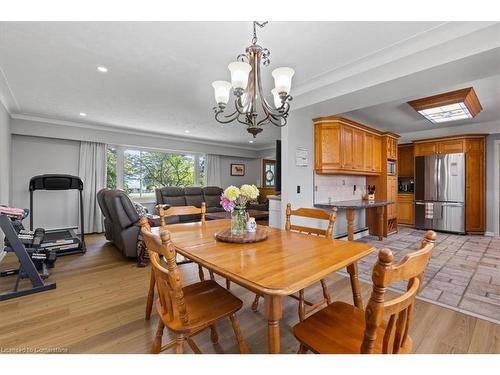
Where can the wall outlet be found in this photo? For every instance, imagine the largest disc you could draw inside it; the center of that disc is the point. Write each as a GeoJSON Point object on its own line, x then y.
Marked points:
{"type": "Point", "coordinates": [298, 189]}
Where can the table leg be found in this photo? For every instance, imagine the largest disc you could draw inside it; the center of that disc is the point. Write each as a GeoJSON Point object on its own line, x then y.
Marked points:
{"type": "Point", "coordinates": [380, 214]}
{"type": "Point", "coordinates": [352, 269]}
{"type": "Point", "coordinates": [350, 224]}
{"type": "Point", "coordinates": [273, 313]}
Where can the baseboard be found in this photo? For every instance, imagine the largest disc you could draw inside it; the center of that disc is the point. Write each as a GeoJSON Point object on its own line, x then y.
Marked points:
{"type": "Point", "coordinates": [357, 234]}
{"type": "Point", "coordinates": [489, 234]}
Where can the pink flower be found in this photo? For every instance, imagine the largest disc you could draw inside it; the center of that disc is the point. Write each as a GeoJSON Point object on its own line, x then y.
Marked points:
{"type": "Point", "coordinates": [226, 204]}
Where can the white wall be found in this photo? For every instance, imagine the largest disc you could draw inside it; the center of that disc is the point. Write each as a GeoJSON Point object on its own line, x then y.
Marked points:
{"type": "Point", "coordinates": [33, 156]}
{"type": "Point", "coordinates": [492, 164]}
{"type": "Point", "coordinates": [4, 163]}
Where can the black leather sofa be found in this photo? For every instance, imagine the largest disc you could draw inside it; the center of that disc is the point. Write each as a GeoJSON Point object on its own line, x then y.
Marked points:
{"type": "Point", "coordinates": [121, 221]}
{"type": "Point", "coordinates": [189, 196]}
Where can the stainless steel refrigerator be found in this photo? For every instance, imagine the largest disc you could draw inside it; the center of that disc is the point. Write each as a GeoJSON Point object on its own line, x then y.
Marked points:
{"type": "Point", "coordinates": [440, 192]}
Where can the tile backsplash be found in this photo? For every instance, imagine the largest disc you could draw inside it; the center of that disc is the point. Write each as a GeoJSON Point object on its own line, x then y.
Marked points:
{"type": "Point", "coordinates": [341, 188]}
{"type": "Point", "coordinates": [332, 188]}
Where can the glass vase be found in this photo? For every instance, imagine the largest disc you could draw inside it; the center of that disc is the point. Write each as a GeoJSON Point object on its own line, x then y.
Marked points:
{"type": "Point", "coordinates": [238, 221]}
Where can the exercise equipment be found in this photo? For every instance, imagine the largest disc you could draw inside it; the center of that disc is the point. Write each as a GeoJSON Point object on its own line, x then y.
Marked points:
{"type": "Point", "coordinates": [29, 260]}
{"type": "Point", "coordinates": [64, 241]}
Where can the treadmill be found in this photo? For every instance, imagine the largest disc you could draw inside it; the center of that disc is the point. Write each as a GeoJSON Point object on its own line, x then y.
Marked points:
{"type": "Point", "coordinates": [64, 241]}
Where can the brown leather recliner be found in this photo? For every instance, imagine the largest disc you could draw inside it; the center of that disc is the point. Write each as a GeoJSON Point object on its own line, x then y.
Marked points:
{"type": "Point", "coordinates": [121, 221]}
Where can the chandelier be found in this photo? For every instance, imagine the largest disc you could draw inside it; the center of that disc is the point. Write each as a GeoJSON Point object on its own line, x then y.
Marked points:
{"type": "Point", "coordinates": [247, 88]}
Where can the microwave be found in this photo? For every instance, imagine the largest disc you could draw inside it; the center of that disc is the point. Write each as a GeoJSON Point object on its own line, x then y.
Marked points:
{"type": "Point", "coordinates": [391, 168]}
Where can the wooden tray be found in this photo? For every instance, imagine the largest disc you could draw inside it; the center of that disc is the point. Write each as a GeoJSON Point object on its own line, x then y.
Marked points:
{"type": "Point", "coordinates": [225, 236]}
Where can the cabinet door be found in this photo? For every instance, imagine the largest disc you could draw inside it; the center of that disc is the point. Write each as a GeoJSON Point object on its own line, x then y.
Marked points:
{"type": "Point", "coordinates": [327, 147]}
{"type": "Point", "coordinates": [451, 146]}
{"type": "Point", "coordinates": [377, 154]}
{"type": "Point", "coordinates": [405, 213]}
{"type": "Point", "coordinates": [427, 148]}
{"type": "Point", "coordinates": [347, 147]}
{"type": "Point", "coordinates": [474, 187]}
{"type": "Point", "coordinates": [358, 149]}
{"type": "Point", "coordinates": [405, 161]}
{"type": "Point", "coordinates": [368, 154]}
{"type": "Point", "coordinates": [392, 148]}
{"type": "Point", "coordinates": [392, 195]}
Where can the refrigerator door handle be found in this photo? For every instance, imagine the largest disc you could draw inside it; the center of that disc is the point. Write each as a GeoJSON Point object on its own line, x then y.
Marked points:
{"type": "Point", "coordinates": [420, 203]}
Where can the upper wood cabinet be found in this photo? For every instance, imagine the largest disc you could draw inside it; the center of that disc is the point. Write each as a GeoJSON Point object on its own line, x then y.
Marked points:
{"type": "Point", "coordinates": [425, 148]}
{"type": "Point", "coordinates": [327, 151]}
{"type": "Point", "coordinates": [405, 160]}
{"type": "Point", "coordinates": [392, 149]}
{"type": "Point", "coordinates": [346, 147]}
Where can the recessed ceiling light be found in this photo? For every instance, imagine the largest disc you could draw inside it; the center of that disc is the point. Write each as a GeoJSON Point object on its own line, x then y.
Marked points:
{"type": "Point", "coordinates": [83, 114]}
{"type": "Point", "coordinates": [450, 106]}
{"type": "Point", "coordinates": [250, 141]}
{"type": "Point", "coordinates": [102, 69]}
{"type": "Point", "coordinates": [187, 131]}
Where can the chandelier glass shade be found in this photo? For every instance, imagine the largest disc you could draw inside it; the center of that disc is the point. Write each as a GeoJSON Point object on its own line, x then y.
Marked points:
{"type": "Point", "coordinates": [250, 105]}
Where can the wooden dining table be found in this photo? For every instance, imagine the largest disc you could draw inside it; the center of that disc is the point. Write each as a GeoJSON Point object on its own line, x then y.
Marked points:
{"type": "Point", "coordinates": [283, 264]}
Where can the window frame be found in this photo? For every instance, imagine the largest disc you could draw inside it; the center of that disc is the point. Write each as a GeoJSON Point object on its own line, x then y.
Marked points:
{"type": "Point", "coordinates": [120, 164]}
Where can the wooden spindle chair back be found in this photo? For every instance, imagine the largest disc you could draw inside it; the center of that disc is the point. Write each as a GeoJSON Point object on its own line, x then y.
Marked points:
{"type": "Point", "coordinates": [400, 309]}
{"type": "Point", "coordinates": [169, 278]}
{"type": "Point", "coordinates": [180, 211]}
{"type": "Point", "coordinates": [311, 213]}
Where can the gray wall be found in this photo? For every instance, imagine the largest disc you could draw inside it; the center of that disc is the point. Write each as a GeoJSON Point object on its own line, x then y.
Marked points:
{"type": "Point", "coordinates": [4, 155]}
{"type": "Point", "coordinates": [491, 165]}
{"type": "Point", "coordinates": [4, 162]}
{"type": "Point", "coordinates": [252, 171]}
{"type": "Point", "coordinates": [32, 156]}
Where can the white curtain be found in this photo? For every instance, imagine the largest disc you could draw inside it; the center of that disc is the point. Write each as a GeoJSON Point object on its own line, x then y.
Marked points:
{"type": "Point", "coordinates": [212, 170]}
{"type": "Point", "coordinates": [92, 170]}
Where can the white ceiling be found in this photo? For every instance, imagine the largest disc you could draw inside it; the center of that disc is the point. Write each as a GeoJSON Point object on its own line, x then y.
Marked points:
{"type": "Point", "coordinates": [399, 117]}
{"type": "Point", "coordinates": [160, 72]}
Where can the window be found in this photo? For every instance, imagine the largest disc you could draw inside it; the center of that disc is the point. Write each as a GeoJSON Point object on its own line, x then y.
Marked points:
{"type": "Point", "coordinates": [140, 172]}
{"type": "Point", "coordinates": [111, 168]}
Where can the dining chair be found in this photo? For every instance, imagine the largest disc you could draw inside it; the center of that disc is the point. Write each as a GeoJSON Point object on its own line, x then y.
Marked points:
{"type": "Point", "coordinates": [186, 311]}
{"type": "Point", "coordinates": [311, 213]}
{"type": "Point", "coordinates": [345, 329]}
{"type": "Point", "coordinates": [175, 211]}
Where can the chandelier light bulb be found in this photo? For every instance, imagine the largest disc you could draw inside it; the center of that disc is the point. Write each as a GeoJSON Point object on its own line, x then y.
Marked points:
{"type": "Point", "coordinates": [239, 74]}
{"type": "Point", "coordinates": [283, 79]}
{"type": "Point", "coordinates": [221, 91]}
{"type": "Point", "coordinates": [277, 99]}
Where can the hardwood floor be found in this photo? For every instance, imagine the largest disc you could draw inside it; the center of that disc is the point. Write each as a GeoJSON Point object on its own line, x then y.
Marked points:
{"type": "Point", "coordinates": [98, 307]}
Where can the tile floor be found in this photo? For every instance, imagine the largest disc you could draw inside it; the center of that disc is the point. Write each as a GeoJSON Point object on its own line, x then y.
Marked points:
{"type": "Point", "coordinates": [463, 273]}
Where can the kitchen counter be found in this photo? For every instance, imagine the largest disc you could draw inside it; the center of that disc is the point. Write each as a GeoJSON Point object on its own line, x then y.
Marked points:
{"type": "Point", "coordinates": [358, 204]}
{"type": "Point", "coordinates": [354, 204]}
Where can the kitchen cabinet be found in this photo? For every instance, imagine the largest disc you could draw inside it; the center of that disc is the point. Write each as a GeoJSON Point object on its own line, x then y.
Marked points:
{"type": "Point", "coordinates": [392, 149]}
{"type": "Point", "coordinates": [450, 146]}
{"type": "Point", "coordinates": [425, 148]}
{"type": "Point", "coordinates": [475, 210]}
{"type": "Point", "coordinates": [406, 160]}
{"type": "Point", "coordinates": [343, 146]}
{"type": "Point", "coordinates": [327, 151]}
{"type": "Point", "coordinates": [406, 208]}
{"type": "Point", "coordinates": [392, 195]}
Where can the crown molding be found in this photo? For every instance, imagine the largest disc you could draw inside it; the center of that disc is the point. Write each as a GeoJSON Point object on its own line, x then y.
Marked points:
{"type": "Point", "coordinates": [124, 130]}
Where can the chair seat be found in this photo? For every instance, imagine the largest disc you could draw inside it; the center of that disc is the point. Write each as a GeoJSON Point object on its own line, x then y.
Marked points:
{"type": "Point", "coordinates": [206, 302]}
{"type": "Point", "coordinates": [339, 329]}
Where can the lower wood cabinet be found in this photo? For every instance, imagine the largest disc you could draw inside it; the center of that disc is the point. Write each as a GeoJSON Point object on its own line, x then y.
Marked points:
{"type": "Point", "coordinates": [406, 209]}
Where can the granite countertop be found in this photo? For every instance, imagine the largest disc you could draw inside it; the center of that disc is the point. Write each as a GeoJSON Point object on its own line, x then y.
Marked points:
{"type": "Point", "coordinates": [274, 197]}
{"type": "Point", "coordinates": [357, 203]}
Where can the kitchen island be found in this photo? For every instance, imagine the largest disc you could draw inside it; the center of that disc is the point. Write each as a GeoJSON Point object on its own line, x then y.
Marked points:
{"type": "Point", "coordinates": [352, 205]}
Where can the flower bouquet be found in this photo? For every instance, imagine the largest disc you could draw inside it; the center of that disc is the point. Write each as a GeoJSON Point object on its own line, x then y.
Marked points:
{"type": "Point", "coordinates": [234, 200]}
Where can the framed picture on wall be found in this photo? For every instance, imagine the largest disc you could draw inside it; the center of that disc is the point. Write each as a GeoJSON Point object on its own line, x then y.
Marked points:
{"type": "Point", "coordinates": [237, 169]}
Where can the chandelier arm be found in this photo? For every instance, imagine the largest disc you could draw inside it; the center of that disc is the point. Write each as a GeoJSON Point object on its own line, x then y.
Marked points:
{"type": "Point", "coordinates": [226, 119]}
